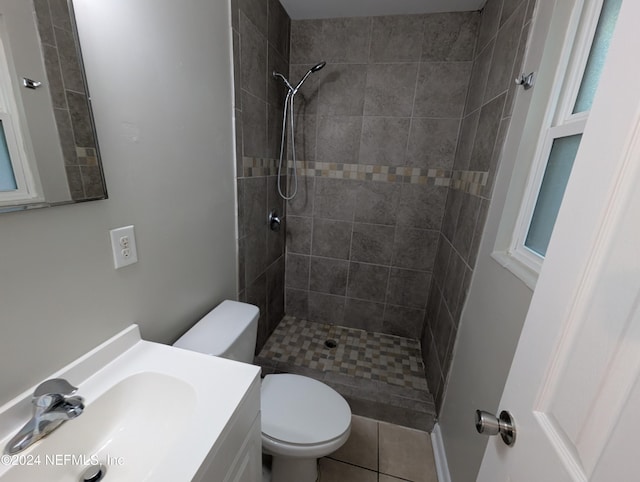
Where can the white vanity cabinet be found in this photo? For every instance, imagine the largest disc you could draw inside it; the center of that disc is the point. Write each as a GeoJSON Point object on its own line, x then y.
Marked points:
{"type": "Point", "coordinates": [237, 455]}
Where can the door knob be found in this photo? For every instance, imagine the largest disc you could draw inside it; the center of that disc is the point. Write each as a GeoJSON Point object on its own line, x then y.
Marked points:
{"type": "Point", "coordinates": [489, 424]}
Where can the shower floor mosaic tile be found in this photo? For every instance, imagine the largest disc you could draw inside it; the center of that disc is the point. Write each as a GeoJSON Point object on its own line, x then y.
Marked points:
{"type": "Point", "coordinates": [376, 372]}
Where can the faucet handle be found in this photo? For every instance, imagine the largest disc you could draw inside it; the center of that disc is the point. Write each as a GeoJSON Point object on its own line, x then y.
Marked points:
{"type": "Point", "coordinates": [55, 386]}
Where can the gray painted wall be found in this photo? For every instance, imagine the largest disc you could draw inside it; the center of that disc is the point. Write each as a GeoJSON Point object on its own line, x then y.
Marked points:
{"type": "Point", "coordinates": [160, 78]}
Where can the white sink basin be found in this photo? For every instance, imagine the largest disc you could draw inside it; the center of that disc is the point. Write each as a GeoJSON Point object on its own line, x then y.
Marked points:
{"type": "Point", "coordinates": [153, 412]}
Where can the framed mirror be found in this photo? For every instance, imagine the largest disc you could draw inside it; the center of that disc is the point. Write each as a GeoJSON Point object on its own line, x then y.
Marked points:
{"type": "Point", "coordinates": [48, 144]}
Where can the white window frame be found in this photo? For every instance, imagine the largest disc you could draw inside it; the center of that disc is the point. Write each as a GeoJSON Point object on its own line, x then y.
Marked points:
{"type": "Point", "coordinates": [559, 121]}
{"type": "Point", "coordinates": [28, 189]}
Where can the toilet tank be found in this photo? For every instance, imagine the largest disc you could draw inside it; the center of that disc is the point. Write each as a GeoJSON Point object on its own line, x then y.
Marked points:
{"type": "Point", "coordinates": [228, 331]}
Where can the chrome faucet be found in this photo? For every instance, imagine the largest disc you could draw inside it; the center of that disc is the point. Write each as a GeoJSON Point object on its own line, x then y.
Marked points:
{"type": "Point", "coordinates": [52, 406]}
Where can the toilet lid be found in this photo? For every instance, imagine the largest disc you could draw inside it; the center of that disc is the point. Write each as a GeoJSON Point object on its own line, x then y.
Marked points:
{"type": "Point", "coordinates": [301, 410]}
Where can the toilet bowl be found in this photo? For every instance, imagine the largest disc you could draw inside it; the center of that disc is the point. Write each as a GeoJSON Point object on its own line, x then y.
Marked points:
{"type": "Point", "coordinates": [302, 419]}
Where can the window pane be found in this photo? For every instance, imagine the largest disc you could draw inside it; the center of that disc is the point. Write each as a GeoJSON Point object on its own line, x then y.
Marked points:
{"type": "Point", "coordinates": [7, 179]}
{"type": "Point", "coordinates": [554, 182]}
{"type": "Point", "coordinates": [597, 56]}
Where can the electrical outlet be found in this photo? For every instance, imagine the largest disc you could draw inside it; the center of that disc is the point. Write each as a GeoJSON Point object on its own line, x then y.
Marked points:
{"type": "Point", "coordinates": [123, 244]}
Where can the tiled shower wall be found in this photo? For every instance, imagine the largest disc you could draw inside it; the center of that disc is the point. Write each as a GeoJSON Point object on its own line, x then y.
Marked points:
{"type": "Point", "coordinates": [499, 53]}
{"type": "Point", "coordinates": [260, 45]}
{"type": "Point", "coordinates": [69, 97]}
{"type": "Point", "coordinates": [376, 134]}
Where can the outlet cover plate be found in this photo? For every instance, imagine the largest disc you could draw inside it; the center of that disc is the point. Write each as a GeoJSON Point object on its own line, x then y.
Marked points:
{"type": "Point", "coordinates": [123, 245]}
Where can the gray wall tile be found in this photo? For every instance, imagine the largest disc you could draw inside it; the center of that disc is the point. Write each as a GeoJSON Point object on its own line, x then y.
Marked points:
{"type": "Point", "coordinates": [65, 134]}
{"type": "Point", "coordinates": [338, 139]}
{"type": "Point", "coordinates": [465, 141]}
{"type": "Point", "coordinates": [450, 36]}
{"type": "Point", "coordinates": [367, 281]}
{"type": "Point", "coordinates": [274, 132]}
{"type": "Point", "coordinates": [306, 41]}
{"type": "Point", "coordinates": [384, 141]}
{"type": "Point", "coordinates": [328, 275]}
{"type": "Point", "coordinates": [451, 213]}
{"type": "Point", "coordinates": [377, 202]}
{"type": "Point", "coordinates": [279, 26]}
{"type": "Point", "coordinates": [408, 288]}
{"type": "Point", "coordinates": [306, 127]}
{"type": "Point", "coordinates": [342, 89]}
{"type": "Point", "coordinates": [45, 27]}
{"type": "Point", "coordinates": [486, 135]}
{"type": "Point", "coordinates": [253, 58]}
{"type": "Point", "coordinates": [254, 204]}
{"type": "Point", "coordinates": [397, 38]}
{"type": "Point", "coordinates": [432, 143]}
{"type": "Point", "coordinates": [54, 77]}
{"type": "Point", "coordinates": [326, 308]}
{"type": "Point", "coordinates": [442, 89]}
{"type": "Point", "coordinates": [509, 7]}
{"type": "Point", "coordinates": [466, 226]}
{"type": "Point", "coordinates": [255, 255]}
{"type": "Point", "coordinates": [504, 55]}
{"type": "Point", "coordinates": [297, 271]}
{"type": "Point", "coordinates": [331, 239]}
{"type": "Point", "coordinates": [363, 315]}
{"type": "Point", "coordinates": [402, 321]}
{"type": "Point", "coordinates": [69, 60]}
{"type": "Point", "coordinates": [415, 248]}
{"type": "Point", "coordinates": [302, 204]}
{"type": "Point", "coordinates": [335, 199]}
{"type": "Point", "coordinates": [346, 40]}
{"type": "Point", "coordinates": [489, 22]}
{"type": "Point", "coordinates": [254, 126]}
{"type": "Point", "coordinates": [372, 243]}
{"type": "Point", "coordinates": [479, 76]}
{"type": "Point", "coordinates": [80, 119]}
{"type": "Point", "coordinates": [256, 11]}
{"type": "Point", "coordinates": [390, 89]}
{"type": "Point", "coordinates": [256, 294]}
{"type": "Point", "coordinates": [296, 303]}
{"type": "Point", "coordinates": [453, 280]}
{"type": "Point", "coordinates": [275, 293]}
{"type": "Point", "coordinates": [441, 262]}
{"type": "Point", "coordinates": [299, 234]}
{"type": "Point", "coordinates": [421, 206]}
{"type": "Point", "coordinates": [60, 16]}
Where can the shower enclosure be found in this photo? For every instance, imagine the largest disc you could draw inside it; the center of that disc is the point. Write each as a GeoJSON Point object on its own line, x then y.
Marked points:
{"type": "Point", "coordinates": [396, 149]}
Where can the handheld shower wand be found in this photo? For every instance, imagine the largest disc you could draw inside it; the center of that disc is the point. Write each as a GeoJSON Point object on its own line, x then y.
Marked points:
{"type": "Point", "coordinates": [289, 111]}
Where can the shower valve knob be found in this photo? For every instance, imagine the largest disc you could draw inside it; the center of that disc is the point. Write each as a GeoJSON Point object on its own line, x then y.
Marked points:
{"type": "Point", "coordinates": [274, 221]}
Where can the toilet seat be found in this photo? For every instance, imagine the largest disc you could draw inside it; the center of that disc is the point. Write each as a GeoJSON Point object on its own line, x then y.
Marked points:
{"type": "Point", "coordinates": [300, 414]}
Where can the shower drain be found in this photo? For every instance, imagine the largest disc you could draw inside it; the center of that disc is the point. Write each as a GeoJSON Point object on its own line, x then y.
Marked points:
{"type": "Point", "coordinates": [331, 343]}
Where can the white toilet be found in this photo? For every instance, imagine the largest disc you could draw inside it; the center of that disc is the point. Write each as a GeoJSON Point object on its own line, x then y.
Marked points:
{"type": "Point", "coordinates": [302, 418]}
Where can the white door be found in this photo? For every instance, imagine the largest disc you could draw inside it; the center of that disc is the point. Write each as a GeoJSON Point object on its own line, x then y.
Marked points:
{"type": "Point", "coordinates": [574, 386]}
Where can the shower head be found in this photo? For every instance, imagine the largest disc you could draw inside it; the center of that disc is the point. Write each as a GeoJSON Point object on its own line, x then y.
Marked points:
{"type": "Point", "coordinates": [317, 67]}
{"type": "Point", "coordinates": [278, 75]}
{"type": "Point", "coordinates": [294, 90]}
{"type": "Point", "coordinates": [312, 70]}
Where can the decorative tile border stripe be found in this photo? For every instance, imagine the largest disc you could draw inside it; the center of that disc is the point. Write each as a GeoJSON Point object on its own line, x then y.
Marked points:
{"type": "Point", "coordinates": [87, 156]}
{"type": "Point", "coordinates": [258, 167]}
{"type": "Point", "coordinates": [471, 182]}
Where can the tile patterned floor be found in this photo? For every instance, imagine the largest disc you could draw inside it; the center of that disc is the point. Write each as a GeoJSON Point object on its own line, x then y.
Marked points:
{"type": "Point", "coordinates": [380, 452]}
{"type": "Point", "coordinates": [371, 356]}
